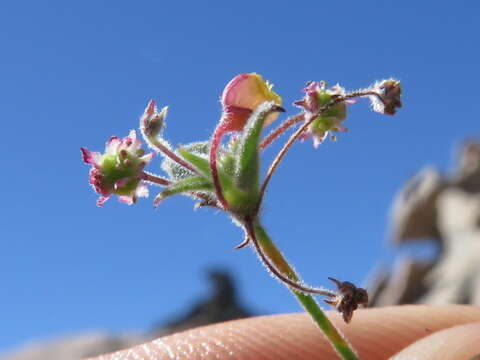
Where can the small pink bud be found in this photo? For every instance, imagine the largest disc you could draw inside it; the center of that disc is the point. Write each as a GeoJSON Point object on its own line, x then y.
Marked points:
{"type": "Point", "coordinates": [152, 121]}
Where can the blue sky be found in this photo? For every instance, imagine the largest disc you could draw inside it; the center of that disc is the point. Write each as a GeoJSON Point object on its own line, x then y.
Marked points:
{"type": "Point", "coordinates": [75, 73]}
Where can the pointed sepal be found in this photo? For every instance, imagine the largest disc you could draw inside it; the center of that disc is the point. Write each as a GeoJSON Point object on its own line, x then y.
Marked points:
{"type": "Point", "coordinates": [247, 152]}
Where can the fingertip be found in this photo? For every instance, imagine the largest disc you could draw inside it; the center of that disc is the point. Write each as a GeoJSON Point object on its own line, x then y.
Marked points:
{"type": "Point", "coordinates": [461, 342]}
{"type": "Point", "coordinates": [376, 334]}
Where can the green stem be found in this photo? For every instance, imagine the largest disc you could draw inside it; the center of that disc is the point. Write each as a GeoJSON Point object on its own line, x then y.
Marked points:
{"type": "Point", "coordinates": [333, 335]}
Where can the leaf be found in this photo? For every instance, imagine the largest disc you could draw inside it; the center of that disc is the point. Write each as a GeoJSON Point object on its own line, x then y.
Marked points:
{"type": "Point", "coordinates": [177, 171]}
{"type": "Point", "coordinates": [189, 185]}
{"type": "Point", "coordinates": [200, 162]}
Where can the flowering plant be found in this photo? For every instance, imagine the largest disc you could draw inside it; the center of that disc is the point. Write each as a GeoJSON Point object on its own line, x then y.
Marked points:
{"type": "Point", "coordinates": [226, 175]}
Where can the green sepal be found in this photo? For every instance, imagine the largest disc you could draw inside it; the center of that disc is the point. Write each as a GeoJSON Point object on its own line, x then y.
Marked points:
{"type": "Point", "coordinates": [189, 185]}
{"type": "Point", "coordinates": [337, 111]}
{"type": "Point", "coordinates": [227, 164]}
{"type": "Point", "coordinates": [247, 158]}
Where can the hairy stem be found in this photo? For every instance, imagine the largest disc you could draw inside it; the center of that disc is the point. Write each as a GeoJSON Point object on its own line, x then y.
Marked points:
{"type": "Point", "coordinates": [333, 335]}
{"type": "Point", "coordinates": [296, 135]}
{"type": "Point", "coordinates": [157, 145]}
{"type": "Point", "coordinates": [290, 278]}
{"type": "Point", "coordinates": [154, 179]}
{"type": "Point", "coordinates": [281, 129]}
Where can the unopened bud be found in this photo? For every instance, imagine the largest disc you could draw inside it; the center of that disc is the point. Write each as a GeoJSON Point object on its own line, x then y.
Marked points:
{"type": "Point", "coordinates": [152, 121]}
{"type": "Point", "coordinates": [388, 96]}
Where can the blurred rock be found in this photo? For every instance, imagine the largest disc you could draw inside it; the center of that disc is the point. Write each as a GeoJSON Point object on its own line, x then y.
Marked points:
{"type": "Point", "coordinates": [414, 212]}
{"type": "Point", "coordinates": [445, 209]}
{"type": "Point", "coordinates": [221, 305]}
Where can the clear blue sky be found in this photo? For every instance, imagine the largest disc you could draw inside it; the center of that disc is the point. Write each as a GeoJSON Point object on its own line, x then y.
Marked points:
{"type": "Point", "coordinates": [75, 73]}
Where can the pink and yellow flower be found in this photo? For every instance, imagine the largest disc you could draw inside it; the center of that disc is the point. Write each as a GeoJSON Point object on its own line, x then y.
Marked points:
{"type": "Point", "coordinates": [119, 170]}
{"type": "Point", "coordinates": [242, 95]}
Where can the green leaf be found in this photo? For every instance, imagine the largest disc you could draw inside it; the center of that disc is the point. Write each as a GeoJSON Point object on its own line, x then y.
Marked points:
{"type": "Point", "coordinates": [199, 147]}
{"type": "Point", "coordinates": [200, 162]}
{"type": "Point", "coordinates": [247, 159]}
{"type": "Point", "coordinates": [177, 171]}
{"type": "Point", "coordinates": [189, 185]}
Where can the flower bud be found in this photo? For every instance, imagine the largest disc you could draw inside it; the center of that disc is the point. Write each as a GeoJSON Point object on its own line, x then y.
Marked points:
{"type": "Point", "coordinates": [152, 121]}
{"type": "Point", "coordinates": [388, 100]}
{"type": "Point", "coordinates": [119, 170]}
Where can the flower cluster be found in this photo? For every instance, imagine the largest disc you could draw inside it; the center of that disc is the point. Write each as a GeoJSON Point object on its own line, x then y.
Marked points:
{"type": "Point", "coordinates": [227, 175]}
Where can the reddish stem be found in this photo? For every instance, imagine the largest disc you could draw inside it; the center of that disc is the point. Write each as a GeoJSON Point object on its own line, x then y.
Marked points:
{"type": "Point", "coordinates": [172, 155]}
{"type": "Point", "coordinates": [218, 134]}
{"type": "Point", "coordinates": [300, 130]}
{"type": "Point", "coordinates": [154, 179]}
{"type": "Point", "coordinates": [281, 129]}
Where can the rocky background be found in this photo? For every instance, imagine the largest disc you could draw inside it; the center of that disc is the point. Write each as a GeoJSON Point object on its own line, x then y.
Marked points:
{"type": "Point", "coordinates": [444, 210]}
{"type": "Point", "coordinates": [441, 209]}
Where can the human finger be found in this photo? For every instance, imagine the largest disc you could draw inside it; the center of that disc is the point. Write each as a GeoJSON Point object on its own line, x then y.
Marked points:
{"type": "Point", "coordinates": [459, 342]}
{"type": "Point", "coordinates": [376, 333]}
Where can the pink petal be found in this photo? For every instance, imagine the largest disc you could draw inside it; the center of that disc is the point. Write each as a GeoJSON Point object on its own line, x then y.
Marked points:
{"type": "Point", "coordinates": [86, 155]}
{"type": "Point", "coordinates": [90, 157]}
{"type": "Point", "coordinates": [132, 141]}
{"type": "Point", "coordinates": [151, 108]}
{"type": "Point", "coordinates": [231, 93]}
{"type": "Point", "coordinates": [149, 111]}
{"type": "Point", "coordinates": [101, 200]}
{"type": "Point", "coordinates": [312, 88]}
{"type": "Point", "coordinates": [127, 199]}
{"type": "Point", "coordinates": [112, 145]}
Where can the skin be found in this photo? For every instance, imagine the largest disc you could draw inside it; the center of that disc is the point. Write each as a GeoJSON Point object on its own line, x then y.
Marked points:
{"type": "Point", "coordinates": [401, 332]}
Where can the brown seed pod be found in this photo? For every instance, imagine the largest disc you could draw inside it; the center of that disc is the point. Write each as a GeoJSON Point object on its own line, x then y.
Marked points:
{"type": "Point", "coordinates": [348, 299]}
